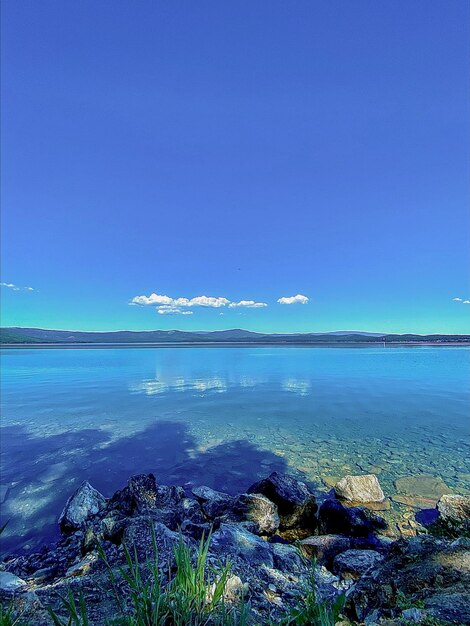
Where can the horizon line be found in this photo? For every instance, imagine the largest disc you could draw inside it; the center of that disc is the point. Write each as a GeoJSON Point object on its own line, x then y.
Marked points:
{"type": "Point", "coordinates": [310, 332]}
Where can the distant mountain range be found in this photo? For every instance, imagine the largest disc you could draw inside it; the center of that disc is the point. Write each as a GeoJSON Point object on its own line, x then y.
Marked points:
{"type": "Point", "coordinates": [18, 336]}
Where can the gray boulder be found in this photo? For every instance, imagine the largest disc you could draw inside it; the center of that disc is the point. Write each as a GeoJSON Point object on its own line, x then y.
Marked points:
{"type": "Point", "coordinates": [256, 509]}
{"type": "Point", "coordinates": [421, 570]}
{"type": "Point", "coordinates": [413, 615]}
{"type": "Point", "coordinates": [295, 501]}
{"type": "Point", "coordinates": [143, 492]}
{"type": "Point", "coordinates": [169, 496]}
{"type": "Point", "coordinates": [213, 503]}
{"type": "Point", "coordinates": [192, 511]}
{"type": "Point", "coordinates": [360, 489]}
{"type": "Point", "coordinates": [109, 528]}
{"type": "Point", "coordinates": [288, 558]}
{"type": "Point", "coordinates": [352, 564]}
{"type": "Point", "coordinates": [85, 503]}
{"type": "Point", "coordinates": [138, 496]}
{"type": "Point", "coordinates": [198, 530]}
{"type": "Point", "coordinates": [324, 548]}
{"type": "Point", "coordinates": [142, 496]}
{"type": "Point", "coordinates": [138, 535]}
{"type": "Point", "coordinates": [336, 519]}
{"type": "Point", "coordinates": [454, 511]}
{"type": "Point", "coordinates": [204, 493]}
{"type": "Point", "coordinates": [258, 514]}
{"type": "Point", "coordinates": [172, 507]}
{"type": "Point", "coordinates": [450, 607]}
{"type": "Point", "coordinates": [234, 540]}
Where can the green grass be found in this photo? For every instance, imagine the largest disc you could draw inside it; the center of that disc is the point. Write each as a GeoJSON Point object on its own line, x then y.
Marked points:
{"type": "Point", "coordinates": [8, 617]}
{"type": "Point", "coordinates": [77, 612]}
{"type": "Point", "coordinates": [310, 612]}
{"type": "Point", "coordinates": [194, 596]}
{"type": "Point", "coordinates": [403, 602]}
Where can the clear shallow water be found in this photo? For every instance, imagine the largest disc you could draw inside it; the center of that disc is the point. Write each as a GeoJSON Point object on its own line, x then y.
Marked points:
{"type": "Point", "coordinates": [223, 417]}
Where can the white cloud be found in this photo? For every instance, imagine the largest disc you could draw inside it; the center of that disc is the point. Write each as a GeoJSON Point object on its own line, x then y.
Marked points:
{"type": "Point", "coordinates": [298, 299]}
{"type": "Point", "coordinates": [167, 306]}
{"type": "Point", "coordinates": [457, 299]}
{"type": "Point", "coordinates": [172, 310]}
{"type": "Point", "coordinates": [466, 302]}
{"type": "Point", "coordinates": [207, 301]}
{"type": "Point", "coordinates": [153, 298]}
{"type": "Point", "coordinates": [251, 304]}
{"type": "Point", "coordinates": [14, 287]}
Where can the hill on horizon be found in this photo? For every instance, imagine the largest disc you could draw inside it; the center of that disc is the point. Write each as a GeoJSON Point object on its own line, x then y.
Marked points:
{"type": "Point", "coordinates": [18, 335]}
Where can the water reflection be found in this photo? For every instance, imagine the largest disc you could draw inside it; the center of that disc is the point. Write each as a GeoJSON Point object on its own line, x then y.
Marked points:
{"type": "Point", "coordinates": [153, 387]}
{"type": "Point", "coordinates": [296, 385]}
{"type": "Point", "coordinates": [218, 384]}
{"type": "Point", "coordinates": [162, 383]}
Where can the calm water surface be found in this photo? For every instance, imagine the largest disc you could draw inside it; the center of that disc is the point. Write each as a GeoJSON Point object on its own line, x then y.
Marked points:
{"type": "Point", "coordinates": [223, 417]}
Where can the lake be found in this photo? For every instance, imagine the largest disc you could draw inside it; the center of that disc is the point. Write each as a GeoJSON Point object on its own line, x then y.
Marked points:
{"type": "Point", "coordinates": [224, 417]}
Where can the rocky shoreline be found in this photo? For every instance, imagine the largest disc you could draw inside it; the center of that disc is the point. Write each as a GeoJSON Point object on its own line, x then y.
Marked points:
{"type": "Point", "coordinates": [271, 535]}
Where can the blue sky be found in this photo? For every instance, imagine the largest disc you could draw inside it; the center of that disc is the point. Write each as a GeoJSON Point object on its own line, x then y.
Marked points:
{"type": "Point", "coordinates": [249, 151]}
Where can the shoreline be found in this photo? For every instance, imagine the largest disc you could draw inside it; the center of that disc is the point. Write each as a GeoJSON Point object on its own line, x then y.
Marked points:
{"type": "Point", "coordinates": [240, 344]}
{"type": "Point", "coordinates": [281, 541]}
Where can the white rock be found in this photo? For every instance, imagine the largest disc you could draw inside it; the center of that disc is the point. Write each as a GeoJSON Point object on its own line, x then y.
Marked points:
{"type": "Point", "coordinates": [82, 505]}
{"type": "Point", "coordinates": [455, 509]}
{"type": "Point", "coordinates": [360, 489]}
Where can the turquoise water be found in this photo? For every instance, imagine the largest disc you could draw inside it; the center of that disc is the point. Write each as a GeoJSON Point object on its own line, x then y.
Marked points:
{"type": "Point", "coordinates": [223, 417]}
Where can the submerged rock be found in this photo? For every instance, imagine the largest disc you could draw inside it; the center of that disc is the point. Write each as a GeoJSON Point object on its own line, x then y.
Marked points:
{"type": "Point", "coordinates": [360, 489]}
{"type": "Point", "coordinates": [416, 502]}
{"type": "Point", "coordinates": [423, 485]}
{"type": "Point", "coordinates": [295, 501]}
{"type": "Point", "coordinates": [352, 564]}
{"type": "Point", "coordinates": [80, 507]}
